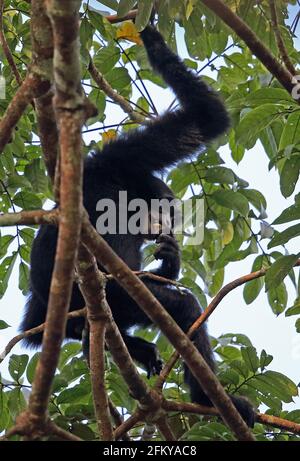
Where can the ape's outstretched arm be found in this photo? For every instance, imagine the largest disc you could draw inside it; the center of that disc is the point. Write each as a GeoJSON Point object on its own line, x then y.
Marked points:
{"type": "Point", "coordinates": [176, 135]}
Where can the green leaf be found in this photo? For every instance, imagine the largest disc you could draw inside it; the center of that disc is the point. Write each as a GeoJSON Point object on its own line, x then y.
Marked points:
{"type": "Point", "coordinates": [4, 411]}
{"type": "Point", "coordinates": [279, 270]}
{"type": "Point", "coordinates": [232, 200]}
{"type": "Point", "coordinates": [27, 235]}
{"type": "Point", "coordinates": [255, 121]}
{"type": "Point", "coordinates": [3, 325]}
{"type": "Point", "coordinates": [289, 214]}
{"type": "Point", "coordinates": [74, 395]}
{"type": "Point", "coordinates": [5, 241]}
{"type": "Point", "coordinates": [269, 96]}
{"type": "Point", "coordinates": [250, 357]}
{"type": "Point", "coordinates": [35, 173]}
{"type": "Point", "coordinates": [118, 78]}
{"type": "Point", "coordinates": [27, 200]}
{"type": "Point", "coordinates": [17, 365]}
{"type": "Point", "coordinates": [280, 238]}
{"type": "Point", "coordinates": [252, 289]}
{"type": "Point", "coordinates": [291, 132]}
{"type": "Point", "coordinates": [289, 175]}
{"type": "Point", "coordinates": [125, 6]}
{"type": "Point", "coordinates": [255, 197]}
{"type": "Point", "coordinates": [277, 298]}
{"type": "Point", "coordinates": [143, 14]}
{"type": "Point", "coordinates": [86, 31]}
{"type": "Point", "coordinates": [265, 359]}
{"type": "Point", "coordinates": [294, 310]}
{"type": "Point", "coordinates": [6, 268]}
{"type": "Point", "coordinates": [106, 58]}
{"type": "Point", "coordinates": [17, 181]}
{"type": "Point", "coordinates": [219, 174]}
{"type": "Point", "coordinates": [24, 277]}
{"type": "Point", "coordinates": [30, 370]}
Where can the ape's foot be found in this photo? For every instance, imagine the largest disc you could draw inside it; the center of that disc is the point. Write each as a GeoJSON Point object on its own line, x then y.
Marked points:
{"type": "Point", "coordinates": [152, 361]}
{"type": "Point", "coordinates": [245, 409]}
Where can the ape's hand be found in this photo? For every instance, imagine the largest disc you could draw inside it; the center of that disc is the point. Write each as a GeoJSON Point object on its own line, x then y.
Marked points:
{"type": "Point", "coordinates": [168, 251]}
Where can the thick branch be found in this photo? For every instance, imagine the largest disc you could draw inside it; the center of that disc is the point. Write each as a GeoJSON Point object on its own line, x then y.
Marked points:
{"type": "Point", "coordinates": [261, 418]}
{"type": "Point", "coordinates": [92, 286]}
{"type": "Point", "coordinates": [114, 18]}
{"type": "Point", "coordinates": [48, 132]}
{"type": "Point", "coordinates": [32, 87]}
{"type": "Point", "coordinates": [280, 43]}
{"type": "Point", "coordinates": [29, 218]}
{"type": "Point", "coordinates": [93, 293]}
{"type": "Point", "coordinates": [145, 299]}
{"type": "Point", "coordinates": [252, 41]}
{"type": "Point", "coordinates": [165, 430]}
{"type": "Point", "coordinates": [280, 423]}
{"type": "Point", "coordinates": [69, 104]}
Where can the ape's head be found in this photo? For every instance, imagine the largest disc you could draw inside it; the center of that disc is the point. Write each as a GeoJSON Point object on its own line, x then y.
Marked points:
{"type": "Point", "coordinates": [163, 209]}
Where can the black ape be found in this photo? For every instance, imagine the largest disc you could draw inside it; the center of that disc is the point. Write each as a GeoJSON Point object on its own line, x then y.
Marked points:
{"type": "Point", "coordinates": [128, 164]}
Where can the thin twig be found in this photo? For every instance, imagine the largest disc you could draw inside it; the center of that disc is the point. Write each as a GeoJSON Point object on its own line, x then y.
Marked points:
{"type": "Point", "coordinates": [252, 41]}
{"type": "Point", "coordinates": [113, 94]}
{"type": "Point", "coordinates": [206, 314]}
{"type": "Point", "coordinates": [6, 49]}
{"type": "Point", "coordinates": [280, 43]}
{"type": "Point", "coordinates": [36, 330]}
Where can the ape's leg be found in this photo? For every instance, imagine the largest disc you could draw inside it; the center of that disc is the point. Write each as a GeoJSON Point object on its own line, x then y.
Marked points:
{"type": "Point", "coordinates": [185, 309]}
{"type": "Point", "coordinates": [145, 353]}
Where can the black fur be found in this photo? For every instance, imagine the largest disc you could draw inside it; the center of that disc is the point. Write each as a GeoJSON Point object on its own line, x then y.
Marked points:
{"type": "Point", "coordinates": [129, 163]}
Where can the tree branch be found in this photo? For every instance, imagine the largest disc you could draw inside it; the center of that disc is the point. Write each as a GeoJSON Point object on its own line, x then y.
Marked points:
{"type": "Point", "coordinates": [261, 418]}
{"type": "Point", "coordinates": [92, 286]}
{"type": "Point", "coordinates": [148, 303]}
{"type": "Point", "coordinates": [206, 314]}
{"type": "Point", "coordinates": [48, 132]}
{"type": "Point", "coordinates": [30, 218]}
{"type": "Point", "coordinates": [37, 81]}
{"type": "Point", "coordinates": [254, 44]}
{"type": "Point", "coordinates": [6, 49]}
{"type": "Point", "coordinates": [165, 430]}
{"type": "Point", "coordinates": [34, 331]}
{"type": "Point", "coordinates": [280, 43]}
{"type": "Point", "coordinates": [69, 105]}
{"type": "Point", "coordinates": [113, 94]}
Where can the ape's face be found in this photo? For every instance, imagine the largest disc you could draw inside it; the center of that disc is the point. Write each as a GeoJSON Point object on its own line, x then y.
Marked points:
{"type": "Point", "coordinates": [162, 206]}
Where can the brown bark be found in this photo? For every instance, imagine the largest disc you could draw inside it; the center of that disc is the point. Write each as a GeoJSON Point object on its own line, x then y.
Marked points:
{"type": "Point", "coordinates": [147, 302]}
{"type": "Point", "coordinates": [69, 104]}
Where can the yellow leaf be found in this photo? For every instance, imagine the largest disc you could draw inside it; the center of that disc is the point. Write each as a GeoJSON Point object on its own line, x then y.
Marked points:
{"type": "Point", "coordinates": [228, 232]}
{"type": "Point", "coordinates": [108, 136]}
{"type": "Point", "coordinates": [189, 8]}
{"type": "Point", "coordinates": [128, 31]}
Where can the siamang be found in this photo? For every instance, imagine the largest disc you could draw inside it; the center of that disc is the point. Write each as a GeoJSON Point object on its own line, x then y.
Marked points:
{"type": "Point", "coordinates": [130, 163]}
